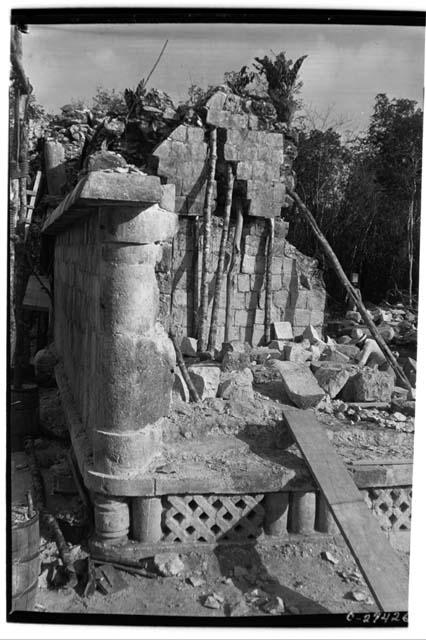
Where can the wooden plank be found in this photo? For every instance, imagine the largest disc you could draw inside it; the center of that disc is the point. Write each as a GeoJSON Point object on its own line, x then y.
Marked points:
{"type": "Point", "coordinates": [31, 205]}
{"type": "Point", "coordinates": [382, 569]}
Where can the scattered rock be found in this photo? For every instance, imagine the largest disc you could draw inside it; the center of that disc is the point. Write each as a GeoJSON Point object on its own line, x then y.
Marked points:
{"type": "Point", "coordinates": [236, 385]}
{"type": "Point", "coordinates": [188, 346]}
{"type": "Point", "coordinates": [274, 606]}
{"type": "Point", "coordinates": [357, 595]}
{"type": "Point", "coordinates": [300, 384]}
{"type": "Point", "coordinates": [386, 331]}
{"type": "Point", "coordinates": [213, 601]}
{"type": "Point", "coordinates": [239, 609]}
{"type": "Point", "coordinates": [282, 330]}
{"type": "Point", "coordinates": [399, 417]}
{"type": "Point", "coordinates": [407, 407]}
{"type": "Point", "coordinates": [326, 555]}
{"type": "Point", "coordinates": [296, 353]}
{"type": "Point", "coordinates": [168, 564]}
{"type": "Point", "coordinates": [195, 581]}
{"type": "Point", "coordinates": [294, 610]}
{"type": "Point", "coordinates": [344, 340]}
{"type": "Point", "coordinates": [369, 385]}
{"type": "Point", "coordinates": [206, 378]}
{"type": "Point", "coordinates": [235, 360]}
{"type": "Point", "coordinates": [332, 377]}
{"type": "Point", "coordinates": [311, 334]}
{"type": "Point", "coordinates": [355, 316]}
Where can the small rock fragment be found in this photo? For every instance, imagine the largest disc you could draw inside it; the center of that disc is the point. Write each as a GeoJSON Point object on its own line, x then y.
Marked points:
{"type": "Point", "coordinates": [188, 346]}
{"type": "Point", "coordinates": [195, 581]}
{"type": "Point", "coordinates": [326, 555]}
{"type": "Point", "coordinates": [168, 564]}
{"type": "Point", "coordinates": [239, 609]}
{"type": "Point", "coordinates": [211, 603]}
{"type": "Point", "coordinates": [282, 330]}
{"type": "Point", "coordinates": [357, 595]}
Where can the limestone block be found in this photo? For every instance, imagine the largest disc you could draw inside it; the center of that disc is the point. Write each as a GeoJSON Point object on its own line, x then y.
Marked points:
{"type": "Point", "coordinates": [243, 282]}
{"type": "Point", "coordinates": [168, 197]}
{"type": "Point", "coordinates": [133, 225]}
{"type": "Point", "coordinates": [311, 334]}
{"type": "Point", "coordinates": [188, 346]}
{"type": "Point", "coordinates": [105, 160]}
{"type": "Point", "coordinates": [206, 378]}
{"type": "Point", "coordinates": [369, 385]}
{"type": "Point", "coordinates": [300, 384]}
{"type": "Point", "coordinates": [236, 385]}
{"type": "Point", "coordinates": [332, 377]}
{"type": "Point", "coordinates": [355, 316]}
{"type": "Point", "coordinates": [282, 330]}
{"type": "Point", "coordinates": [124, 452]}
{"type": "Point", "coordinates": [295, 352]}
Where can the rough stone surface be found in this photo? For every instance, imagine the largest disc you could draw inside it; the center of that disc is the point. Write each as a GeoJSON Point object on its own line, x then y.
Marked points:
{"type": "Point", "coordinates": [332, 377]}
{"type": "Point", "coordinates": [311, 334]}
{"type": "Point", "coordinates": [300, 384]}
{"type": "Point", "coordinates": [296, 353]}
{"type": "Point", "coordinates": [236, 385]}
{"type": "Point", "coordinates": [331, 354]}
{"type": "Point", "coordinates": [355, 316]}
{"type": "Point", "coordinates": [168, 564]}
{"type": "Point", "coordinates": [206, 379]}
{"type": "Point", "coordinates": [369, 385]}
{"type": "Point", "coordinates": [349, 350]}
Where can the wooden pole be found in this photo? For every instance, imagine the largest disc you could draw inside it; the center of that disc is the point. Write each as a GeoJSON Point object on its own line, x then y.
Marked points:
{"type": "Point", "coordinates": [230, 280]}
{"type": "Point", "coordinates": [204, 294]}
{"type": "Point", "coordinates": [182, 366]}
{"type": "Point", "coordinates": [268, 282]}
{"type": "Point", "coordinates": [195, 274]}
{"type": "Point", "coordinates": [353, 294]}
{"type": "Point", "coordinates": [230, 177]}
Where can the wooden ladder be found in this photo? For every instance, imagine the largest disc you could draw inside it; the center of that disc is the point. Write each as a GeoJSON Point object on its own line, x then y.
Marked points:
{"type": "Point", "coordinates": [32, 193]}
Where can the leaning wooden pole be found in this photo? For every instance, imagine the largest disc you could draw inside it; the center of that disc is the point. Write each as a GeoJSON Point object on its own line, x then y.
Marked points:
{"type": "Point", "coordinates": [268, 280]}
{"type": "Point", "coordinates": [230, 177]}
{"type": "Point", "coordinates": [207, 214]}
{"type": "Point", "coordinates": [182, 366]}
{"type": "Point", "coordinates": [354, 296]}
{"type": "Point", "coordinates": [230, 279]}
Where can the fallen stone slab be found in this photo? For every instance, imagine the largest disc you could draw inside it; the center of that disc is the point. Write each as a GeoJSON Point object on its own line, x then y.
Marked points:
{"type": "Point", "coordinates": [282, 330]}
{"type": "Point", "coordinates": [332, 377]}
{"type": "Point", "coordinates": [300, 384]}
{"type": "Point", "coordinates": [369, 385]}
{"type": "Point", "coordinates": [206, 378]}
{"type": "Point", "coordinates": [188, 346]}
{"type": "Point", "coordinates": [236, 385]}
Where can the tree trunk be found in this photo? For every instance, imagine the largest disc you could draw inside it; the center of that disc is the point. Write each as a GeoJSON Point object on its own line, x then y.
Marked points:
{"type": "Point", "coordinates": [410, 237]}
{"type": "Point", "coordinates": [268, 280]}
{"type": "Point", "coordinates": [350, 289]}
{"type": "Point", "coordinates": [221, 260]}
{"type": "Point", "coordinates": [230, 280]}
{"type": "Point", "coordinates": [204, 294]}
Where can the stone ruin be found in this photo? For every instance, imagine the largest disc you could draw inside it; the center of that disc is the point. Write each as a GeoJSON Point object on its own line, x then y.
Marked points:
{"type": "Point", "coordinates": [125, 270]}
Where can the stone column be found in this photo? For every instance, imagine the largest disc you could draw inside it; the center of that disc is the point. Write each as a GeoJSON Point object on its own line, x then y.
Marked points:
{"type": "Point", "coordinates": [136, 358]}
{"type": "Point", "coordinates": [146, 519]}
{"type": "Point", "coordinates": [276, 513]}
{"type": "Point", "coordinates": [325, 521]}
{"type": "Point", "coordinates": [302, 512]}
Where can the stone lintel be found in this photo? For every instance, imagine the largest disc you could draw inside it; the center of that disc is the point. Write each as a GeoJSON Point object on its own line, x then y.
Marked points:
{"type": "Point", "coordinates": [104, 188]}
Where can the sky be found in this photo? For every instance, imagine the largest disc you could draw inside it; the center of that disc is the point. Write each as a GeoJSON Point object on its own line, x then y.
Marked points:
{"type": "Point", "coordinates": [346, 65]}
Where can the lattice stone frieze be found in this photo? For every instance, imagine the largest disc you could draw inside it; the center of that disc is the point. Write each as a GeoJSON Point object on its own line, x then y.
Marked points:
{"type": "Point", "coordinates": [211, 518]}
{"type": "Point", "coordinates": [392, 506]}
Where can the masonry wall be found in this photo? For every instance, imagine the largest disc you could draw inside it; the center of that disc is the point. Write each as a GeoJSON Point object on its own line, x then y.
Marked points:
{"type": "Point", "coordinates": [298, 289]}
{"type": "Point", "coordinates": [77, 317]}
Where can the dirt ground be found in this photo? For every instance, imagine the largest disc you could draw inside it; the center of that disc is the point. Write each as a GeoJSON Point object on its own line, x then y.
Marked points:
{"type": "Point", "coordinates": [245, 578]}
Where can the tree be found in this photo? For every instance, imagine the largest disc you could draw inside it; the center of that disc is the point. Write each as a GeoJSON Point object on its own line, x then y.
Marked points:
{"type": "Point", "coordinates": [395, 140]}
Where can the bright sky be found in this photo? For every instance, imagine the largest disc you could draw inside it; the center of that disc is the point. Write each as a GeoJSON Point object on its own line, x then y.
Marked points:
{"type": "Point", "coordinates": [347, 65]}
